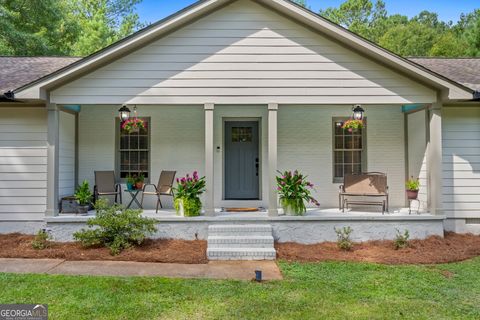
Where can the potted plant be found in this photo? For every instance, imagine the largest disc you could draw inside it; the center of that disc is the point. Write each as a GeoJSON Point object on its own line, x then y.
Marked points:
{"type": "Point", "coordinates": [294, 191]}
{"type": "Point", "coordinates": [139, 180]}
{"type": "Point", "coordinates": [412, 186]}
{"type": "Point", "coordinates": [133, 125]}
{"type": "Point", "coordinates": [130, 182]}
{"type": "Point", "coordinates": [187, 195]}
{"type": "Point", "coordinates": [353, 125]}
{"type": "Point", "coordinates": [83, 195]}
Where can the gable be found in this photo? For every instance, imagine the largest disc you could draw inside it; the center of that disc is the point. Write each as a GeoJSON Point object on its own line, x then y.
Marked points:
{"type": "Point", "coordinates": [243, 53]}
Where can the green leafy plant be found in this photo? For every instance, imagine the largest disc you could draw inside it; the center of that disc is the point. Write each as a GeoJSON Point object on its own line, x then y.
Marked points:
{"type": "Point", "coordinates": [133, 124]}
{"type": "Point", "coordinates": [41, 240]}
{"type": "Point", "coordinates": [413, 184]}
{"type": "Point", "coordinates": [352, 124]}
{"type": "Point", "coordinates": [401, 239]}
{"type": "Point", "coordinates": [131, 179]}
{"type": "Point", "coordinates": [83, 194]}
{"type": "Point", "coordinates": [187, 194]}
{"type": "Point", "coordinates": [344, 241]}
{"type": "Point", "coordinates": [294, 190]}
{"type": "Point", "coordinates": [115, 227]}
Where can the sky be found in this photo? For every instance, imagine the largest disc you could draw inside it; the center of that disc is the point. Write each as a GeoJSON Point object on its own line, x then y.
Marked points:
{"type": "Point", "coordinates": [448, 10]}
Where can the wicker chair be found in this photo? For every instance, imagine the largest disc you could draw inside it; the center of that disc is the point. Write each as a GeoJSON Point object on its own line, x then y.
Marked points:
{"type": "Point", "coordinates": [105, 185]}
{"type": "Point", "coordinates": [163, 188]}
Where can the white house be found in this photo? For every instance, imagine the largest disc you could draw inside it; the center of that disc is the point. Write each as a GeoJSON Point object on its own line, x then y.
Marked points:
{"type": "Point", "coordinates": [273, 73]}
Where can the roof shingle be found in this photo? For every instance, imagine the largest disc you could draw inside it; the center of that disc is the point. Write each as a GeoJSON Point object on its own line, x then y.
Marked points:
{"type": "Point", "coordinates": [18, 71]}
{"type": "Point", "coordinates": [465, 71]}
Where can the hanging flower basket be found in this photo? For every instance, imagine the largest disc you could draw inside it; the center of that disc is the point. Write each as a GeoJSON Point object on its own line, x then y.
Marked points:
{"type": "Point", "coordinates": [352, 125]}
{"type": "Point", "coordinates": [133, 125]}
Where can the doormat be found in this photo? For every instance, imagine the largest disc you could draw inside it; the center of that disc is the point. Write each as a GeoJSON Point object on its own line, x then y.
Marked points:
{"type": "Point", "coordinates": [241, 209]}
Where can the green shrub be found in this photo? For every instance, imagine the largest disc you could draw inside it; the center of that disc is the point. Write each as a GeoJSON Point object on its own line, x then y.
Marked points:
{"type": "Point", "coordinates": [115, 227]}
{"type": "Point", "coordinates": [41, 240]}
{"type": "Point", "coordinates": [412, 184]}
{"type": "Point", "coordinates": [83, 194]}
{"type": "Point", "coordinates": [401, 239]}
{"type": "Point", "coordinates": [343, 238]}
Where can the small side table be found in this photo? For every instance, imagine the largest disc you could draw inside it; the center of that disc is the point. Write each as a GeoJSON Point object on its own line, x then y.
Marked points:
{"type": "Point", "coordinates": [410, 202]}
{"type": "Point", "coordinates": [134, 194]}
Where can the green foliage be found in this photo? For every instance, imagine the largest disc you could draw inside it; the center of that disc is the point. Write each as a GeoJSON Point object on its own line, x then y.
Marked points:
{"type": "Point", "coordinates": [41, 240]}
{"type": "Point", "coordinates": [343, 238]}
{"type": "Point", "coordinates": [294, 190]}
{"type": "Point", "coordinates": [190, 186]}
{"type": "Point", "coordinates": [422, 35]}
{"type": "Point", "coordinates": [83, 194]}
{"type": "Point", "coordinates": [191, 206]}
{"type": "Point", "coordinates": [64, 27]}
{"type": "Point", "coordinates": [412, 184]}
{"type": "Point", "coordinates": [353, 124]}
{"type": "Point", "coordinates": [187, 194]}
{"type": "Point", "coordinates": [115, 227]}
{"type": "Point", "coordinates": [401, 239]}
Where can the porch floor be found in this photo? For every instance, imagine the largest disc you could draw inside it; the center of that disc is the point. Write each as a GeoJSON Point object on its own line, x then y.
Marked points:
{"type": "Point", "coordinates": [312, 214]}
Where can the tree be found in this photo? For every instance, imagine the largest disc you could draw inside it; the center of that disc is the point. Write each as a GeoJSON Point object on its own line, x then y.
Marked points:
{"type": "Point", "coordinates": [469, 29]}
{"type": "Point", "coordinates": [303, 3]}
{"type": "Point", "coordinates": [359, 16]}
{"type": "Point", "coordinates": [35, 28]}
{"type": "Point", "coordinates": [103, 22]}
{"type": "Point", "coordinates": [64, 27]}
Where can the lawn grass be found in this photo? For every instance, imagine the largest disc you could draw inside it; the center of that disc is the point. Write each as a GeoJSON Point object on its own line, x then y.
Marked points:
{"type": "Point", "coordinates": [331, 290]}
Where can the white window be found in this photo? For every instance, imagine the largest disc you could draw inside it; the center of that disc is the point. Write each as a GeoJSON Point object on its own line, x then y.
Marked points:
{"type": "Point", "coordinates": [349, 154]}
{"type": "Point", "coordinates": [133, 156]}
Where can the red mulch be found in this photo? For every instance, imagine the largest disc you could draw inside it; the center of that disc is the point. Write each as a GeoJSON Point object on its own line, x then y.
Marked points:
{"type": "Point", "coordinates": [17, 245]}
{"type": "Point", "coordinates": [452, 248]}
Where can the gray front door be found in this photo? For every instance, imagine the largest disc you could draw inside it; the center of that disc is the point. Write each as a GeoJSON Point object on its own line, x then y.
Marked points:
{"type": "Point", "coordinates": [241, 160]}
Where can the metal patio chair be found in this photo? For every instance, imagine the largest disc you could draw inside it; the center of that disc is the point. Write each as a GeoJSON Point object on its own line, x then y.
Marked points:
{"type": "Point", "coordinates": [163, 188]}
{"type": "Point", "coordinates": [105, 185]}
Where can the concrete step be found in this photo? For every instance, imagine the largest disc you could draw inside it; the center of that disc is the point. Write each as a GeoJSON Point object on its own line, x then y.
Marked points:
{"type": "Point", "coordinates": [240, 229]}
{"type": "Point", "coordinates": [240, 241]}
{"type": "Point", "coordinates": [241, 253]}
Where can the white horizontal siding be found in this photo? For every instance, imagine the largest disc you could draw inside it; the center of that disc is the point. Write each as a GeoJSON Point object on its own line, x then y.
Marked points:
{"type": "Point", "coordinates": [66, 172]}
{"type": "Point", "coordinates": [23, 164]}
{"type": "Point", "coordinates": [461, 161]}
{"type": "Point", "coordinates": [305, 143]}
{"type": "Point", "coordinates": [243, 53]}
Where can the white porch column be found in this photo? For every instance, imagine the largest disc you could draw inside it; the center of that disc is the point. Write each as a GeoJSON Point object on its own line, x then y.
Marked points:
{"type": "Point", "coordinates": [52, 162]}
{"type": "Point", "coordinates": [272, 159]}
{"type": "Point", "coordinates": [209, 158]}
{"type": "Point", "coordinates": [434, 158]}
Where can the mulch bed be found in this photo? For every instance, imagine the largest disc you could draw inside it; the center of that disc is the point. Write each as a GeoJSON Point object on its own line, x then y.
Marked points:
{"type": "Point", "coordinates": [452, 248]}
{"type": "Point", "coordinates": [17, 245]}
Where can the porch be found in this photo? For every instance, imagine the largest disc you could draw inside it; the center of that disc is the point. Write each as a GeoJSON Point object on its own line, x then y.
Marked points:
{"type": "Point", "coordinates": [317, 225]}
{"type": "Point", "coordinates": [193, 138]}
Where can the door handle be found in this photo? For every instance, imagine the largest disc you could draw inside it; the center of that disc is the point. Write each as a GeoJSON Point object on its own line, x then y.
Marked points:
{"type": "Point", "coordinates": [256, 167]}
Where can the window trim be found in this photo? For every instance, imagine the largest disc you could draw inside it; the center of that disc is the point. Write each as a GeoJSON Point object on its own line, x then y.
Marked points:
{"type": "Point", "coordinates": [364, 162]}
{"type": "Point", "coordinates": [117, 150]}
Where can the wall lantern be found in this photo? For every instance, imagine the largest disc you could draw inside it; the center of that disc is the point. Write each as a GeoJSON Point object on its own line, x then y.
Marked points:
{"type": "Point", "coordinates": [124, 113]}
{"type": "Point", "coordinates": [358, 112]}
